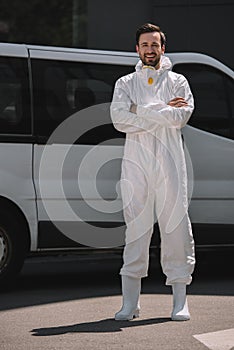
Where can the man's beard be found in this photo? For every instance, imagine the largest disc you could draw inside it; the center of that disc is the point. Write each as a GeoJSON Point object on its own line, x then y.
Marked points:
{"type": "Point", "coordinates": [152, 63]}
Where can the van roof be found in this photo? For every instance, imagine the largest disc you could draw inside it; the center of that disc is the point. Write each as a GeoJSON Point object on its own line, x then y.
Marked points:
{"type": "Point", "coordinates": [103, 56]}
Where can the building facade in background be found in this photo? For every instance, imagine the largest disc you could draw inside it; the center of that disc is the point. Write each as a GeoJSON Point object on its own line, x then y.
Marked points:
{"type": "Point", "coordinates": [204, 26]}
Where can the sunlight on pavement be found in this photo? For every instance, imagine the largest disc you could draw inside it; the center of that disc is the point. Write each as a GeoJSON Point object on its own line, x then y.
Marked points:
{"type": "Point", "coordinates": [221, 340]}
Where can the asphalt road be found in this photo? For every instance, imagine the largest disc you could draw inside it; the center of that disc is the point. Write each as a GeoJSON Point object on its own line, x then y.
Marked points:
{"type": "Point", "coordinates": [68, 302]}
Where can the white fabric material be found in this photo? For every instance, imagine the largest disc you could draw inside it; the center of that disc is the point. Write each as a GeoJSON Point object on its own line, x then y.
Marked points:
{"type": "Point", "coordinates": [131, 293]}
{"type": "Point", "coordinates": [154, 176]}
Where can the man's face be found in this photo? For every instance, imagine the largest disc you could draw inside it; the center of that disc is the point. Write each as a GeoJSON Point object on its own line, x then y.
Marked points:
{"type": "Point", "coordinates": [150, 49]}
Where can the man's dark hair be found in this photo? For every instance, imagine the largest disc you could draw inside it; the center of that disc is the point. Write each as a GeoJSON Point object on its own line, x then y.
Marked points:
{"type": "Point", "coordinates": [150, 28]}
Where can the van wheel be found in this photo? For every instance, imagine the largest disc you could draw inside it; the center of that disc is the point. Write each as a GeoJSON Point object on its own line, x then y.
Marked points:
{"type": "Point", "coordinates": [13, 246]}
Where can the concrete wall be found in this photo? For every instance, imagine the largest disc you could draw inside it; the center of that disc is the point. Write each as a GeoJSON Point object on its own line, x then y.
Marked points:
{"type": "Point", "coordinates": [112, 24]}
{"type": "Point", "coordinates": [205, 26]}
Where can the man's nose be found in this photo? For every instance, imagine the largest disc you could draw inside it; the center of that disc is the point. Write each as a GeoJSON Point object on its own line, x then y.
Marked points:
{"type": "Point", "coordinates": [150, 49]}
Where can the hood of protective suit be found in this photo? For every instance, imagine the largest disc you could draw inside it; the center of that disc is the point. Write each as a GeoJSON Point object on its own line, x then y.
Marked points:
{"type": "Point", "coordinates": [149, 74]}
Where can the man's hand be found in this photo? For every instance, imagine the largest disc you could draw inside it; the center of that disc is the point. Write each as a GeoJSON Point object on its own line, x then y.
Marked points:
{"type": "Point", "coordinates": [177, 102]}
{"type": "Point", "coordinates": [133, 108]}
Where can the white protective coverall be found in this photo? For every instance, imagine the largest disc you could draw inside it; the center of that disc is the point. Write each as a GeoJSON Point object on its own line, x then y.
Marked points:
{"type": "Point", "coordinates": [154, 175]}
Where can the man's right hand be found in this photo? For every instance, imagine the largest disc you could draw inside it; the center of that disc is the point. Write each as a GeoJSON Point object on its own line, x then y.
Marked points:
{"type": "Point", "coordinates": [133, 108]}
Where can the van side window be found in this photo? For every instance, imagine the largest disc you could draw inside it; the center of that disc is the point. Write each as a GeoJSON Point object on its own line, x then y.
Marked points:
{"type": "Point", "coordinates": [64, 88]}
{"type": "Point", "coordinates": [14, 96]}
{"type": "Point", "coordinates": [213, 94]}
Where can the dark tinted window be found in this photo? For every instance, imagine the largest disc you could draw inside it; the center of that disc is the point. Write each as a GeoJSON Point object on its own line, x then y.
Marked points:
{"type": "Point", "coordinates": [213, 94]}
{"type": "Point", "coordinates": [64, 88]}
{"type": "Point", "coordinates": [14, 96]}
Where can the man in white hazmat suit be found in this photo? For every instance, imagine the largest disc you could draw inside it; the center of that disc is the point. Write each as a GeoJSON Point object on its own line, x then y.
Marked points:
{"type": "Point", "coordinates": [151, 106]}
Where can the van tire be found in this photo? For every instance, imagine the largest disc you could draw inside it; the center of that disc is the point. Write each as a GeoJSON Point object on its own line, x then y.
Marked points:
{"type": "Point", "coordinates": [14, 244]}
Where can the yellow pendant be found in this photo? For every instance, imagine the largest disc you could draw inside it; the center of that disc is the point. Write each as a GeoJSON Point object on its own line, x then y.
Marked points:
{"type": "Point", "coordinates": [150, 81]}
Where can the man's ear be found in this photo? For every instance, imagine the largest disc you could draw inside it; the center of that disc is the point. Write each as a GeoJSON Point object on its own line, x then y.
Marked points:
{"type": "Point", "coordinates": [163, 49]}
{"type": "Point", "coordinates": [137, 48]}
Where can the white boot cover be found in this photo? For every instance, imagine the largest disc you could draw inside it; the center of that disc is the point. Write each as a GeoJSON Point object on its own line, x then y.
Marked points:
{"type": "Point", "coordinates": [180, 310]}
{"type": "Point", "coordinates": [131, 293]}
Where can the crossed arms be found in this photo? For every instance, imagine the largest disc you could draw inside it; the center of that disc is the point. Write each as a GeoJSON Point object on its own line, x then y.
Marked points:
{"type": "Point", "coordinates": [173, 114]}
{"type": "Point", "coordinates": [175, 102]}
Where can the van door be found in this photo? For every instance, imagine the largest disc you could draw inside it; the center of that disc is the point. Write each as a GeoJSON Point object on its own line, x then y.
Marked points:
{"type": "Point", "coordinates": [18, 217]}
{"type": "Point", "coordinates": [210, 141]}
{"type": "Point", "coordinates": [16, 182]}
{"type": "Point", "coordinates": [78, 154]}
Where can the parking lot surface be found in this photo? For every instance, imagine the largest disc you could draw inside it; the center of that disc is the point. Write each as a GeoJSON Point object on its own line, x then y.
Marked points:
{"type": "Point", "coordinates": [68, 302]}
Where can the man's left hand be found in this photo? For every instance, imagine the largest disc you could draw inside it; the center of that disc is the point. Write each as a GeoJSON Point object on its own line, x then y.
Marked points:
{"type": "Point", "coordinates": [177, 102]}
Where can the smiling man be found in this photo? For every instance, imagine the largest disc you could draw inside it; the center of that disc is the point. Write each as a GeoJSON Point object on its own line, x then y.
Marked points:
{"type": "Point", "coordinates": [150, 47]}
{"type": "Point", "coordinates": [151, 106]}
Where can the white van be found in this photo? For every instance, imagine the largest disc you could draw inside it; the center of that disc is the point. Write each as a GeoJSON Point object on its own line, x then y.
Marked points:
{"type": "Point", "coordinates": [46, 202]}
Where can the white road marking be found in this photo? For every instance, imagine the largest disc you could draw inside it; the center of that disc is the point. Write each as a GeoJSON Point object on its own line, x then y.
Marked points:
{"type": "Point", "coordinates": [221, 340]}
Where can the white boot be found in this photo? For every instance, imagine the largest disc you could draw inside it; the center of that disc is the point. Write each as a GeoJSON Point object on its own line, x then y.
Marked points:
{"type": "Point", "coordinates": [180, 310]}
{"type": "Point", "coordinates": [131, 292]}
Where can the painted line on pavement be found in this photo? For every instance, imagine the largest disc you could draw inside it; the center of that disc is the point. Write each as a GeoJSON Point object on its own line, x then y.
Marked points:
{"type": "Point", "coordinates": [221, 340]}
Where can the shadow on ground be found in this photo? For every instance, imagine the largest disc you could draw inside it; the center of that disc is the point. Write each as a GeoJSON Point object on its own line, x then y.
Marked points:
{"type": "Point", "coordinates": [108, 325]}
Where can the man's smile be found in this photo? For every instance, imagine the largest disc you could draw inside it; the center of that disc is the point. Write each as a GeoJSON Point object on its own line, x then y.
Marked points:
{"type": "Point", "coordinates": [150, 55]}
